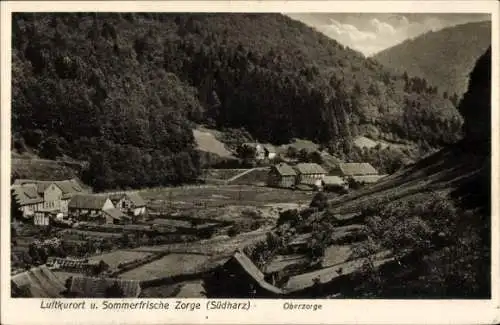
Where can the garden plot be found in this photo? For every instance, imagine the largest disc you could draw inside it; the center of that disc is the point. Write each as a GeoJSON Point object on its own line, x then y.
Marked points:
{"type": "Point", "coordinates": [336, 254]}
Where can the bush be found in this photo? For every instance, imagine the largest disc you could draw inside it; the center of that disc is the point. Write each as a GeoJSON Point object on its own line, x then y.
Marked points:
{"type": "Point", "coordinates": [319, 201]}
{"type": "Point", "coordinates": [292, 217]}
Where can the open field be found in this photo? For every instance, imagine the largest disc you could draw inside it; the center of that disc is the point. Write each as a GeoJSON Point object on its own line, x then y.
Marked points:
{"type": "Point", "coordinates": [119, 257]}
{"type": "Point", "coordinates": [217, 196]}
{"type": "Point", "coordinates": [206, 141]}
{"type": "Point", "coordinates": [336, 254]}
{"type": "Point", "coordinates": [170, 265]}
{"type": "Point", "coordinates": [222, 174]}
{"type": "Point", "coordinates": [42, 169]}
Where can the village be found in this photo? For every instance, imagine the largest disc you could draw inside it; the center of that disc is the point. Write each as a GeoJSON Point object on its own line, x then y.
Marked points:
{"type": "Point", "coordinates": [69, 241]}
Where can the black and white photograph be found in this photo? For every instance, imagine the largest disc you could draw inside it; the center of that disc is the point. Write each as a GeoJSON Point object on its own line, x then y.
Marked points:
{"type": "Point", "coordinates": [294, 155]}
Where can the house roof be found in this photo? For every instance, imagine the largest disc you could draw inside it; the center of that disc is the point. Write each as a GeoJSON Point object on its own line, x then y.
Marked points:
{"type": "Point", "coordinates": [353, 169]}
{"type": "Point", "coordinates": [29, 191]}
{"type": "Point", "coordinates": [91, 287]}
{"type": "Point", "coordinates": [26, 194]}
{"type": "Point", "coordinates": [69, 186]}
{"type": "Point", "coordinates": [369, 179]}
{"type": "Point", "coordinates": [134, 197]}
{"type": "Point", "coordinates": [253, 271]}
{"type": "Point", "coordinates": [38, 282]}
{"type": "Point", "coordinates": [309, 168]}
{"type": "Point", "coordinates": [333, 180]}
{"type": "Point", "coordinates": [115, 214]}
{"type": "Point", "coordinates": [88, 201]}
{"type": "Point", "coordinates": [66, 186]}
{"type": "Point", "coordinates": [284, 169]}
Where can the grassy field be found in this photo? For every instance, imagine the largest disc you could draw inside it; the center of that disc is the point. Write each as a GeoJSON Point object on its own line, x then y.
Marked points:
{"type": "Point", "coordinates": [217, 196]}
{"type": "Point", "coordinates": [41, 169]}
{"type": "Point", "coordinates": [119, 256]}
{"type": "Point", "coordinates": [222, 174]}
{"type": "Point", "coordinates": [170, 265]}
{"type": "Point", "coordinates": [206, 141]}
{"type": "Point", "coordinates": [336, 254]}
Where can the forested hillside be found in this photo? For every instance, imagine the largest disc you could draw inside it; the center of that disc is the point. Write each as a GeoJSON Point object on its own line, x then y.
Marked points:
{"type": "Point", "coordinates": [124, 90]}
{"type": "Point", "coordinates": [445, 58]}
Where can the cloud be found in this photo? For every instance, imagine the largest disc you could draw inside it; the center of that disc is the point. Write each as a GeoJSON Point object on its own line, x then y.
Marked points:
{"type": "Point", "coordinates": [382, 27]}
{"type": "Point", "coordinates": [347, 32]}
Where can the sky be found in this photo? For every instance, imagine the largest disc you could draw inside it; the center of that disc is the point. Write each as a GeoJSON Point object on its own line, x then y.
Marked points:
{"type": "Point", "coordinates": [370, 33]}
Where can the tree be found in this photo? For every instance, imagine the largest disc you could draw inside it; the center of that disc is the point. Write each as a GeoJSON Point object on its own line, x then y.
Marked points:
{"type": "Point", "coordinates": [50, 148]}
{"type": "Point", "coordinates": [319, 201]}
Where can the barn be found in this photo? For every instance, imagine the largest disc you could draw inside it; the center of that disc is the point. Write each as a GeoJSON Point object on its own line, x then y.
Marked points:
{"type": "Point", "coordinates": [309, 174]}
{"type": "Point", "coordinates": [354, 169]}
{"type": "Point", "coordinates": [89, 207]}
{"type": "Point", "coordinates": [281, 175]}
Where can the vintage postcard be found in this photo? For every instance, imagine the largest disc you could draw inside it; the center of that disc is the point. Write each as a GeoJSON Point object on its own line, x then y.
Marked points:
{"type": "Point", "coordinates": [250, 162]}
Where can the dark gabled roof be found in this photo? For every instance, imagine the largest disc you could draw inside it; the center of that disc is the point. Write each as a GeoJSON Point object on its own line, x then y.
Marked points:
{"type": "Point", "coordinates": [254, 272]}
{"type": "Point", "coordinates": [115, 214]}
{"type": "Point", "coordinates": [354, 169]}
{"type": "Point", "coordinates": [88, 201]}
{"type": "Point", "coordinates": [284, 169]}
{"type": "Point", "coordinates": [38, 282]}
{"type": "Point", "coordinates": [91, 287]}
{"type": "Point", "coordinates": [309, 168]}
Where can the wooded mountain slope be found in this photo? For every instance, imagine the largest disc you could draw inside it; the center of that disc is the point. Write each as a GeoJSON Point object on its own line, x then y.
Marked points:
{"type": "Point", "coordinates": [123, 90]}
{"type": "Point", "coordinates": [445, 57]}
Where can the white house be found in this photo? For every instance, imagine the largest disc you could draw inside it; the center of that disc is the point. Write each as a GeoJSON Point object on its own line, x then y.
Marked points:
{"type": "Point", "coordinates": [130, 203]}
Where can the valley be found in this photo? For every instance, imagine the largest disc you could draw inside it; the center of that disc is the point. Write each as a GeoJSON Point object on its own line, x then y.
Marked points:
{"type": "Point", "coordinates": [167, 155]}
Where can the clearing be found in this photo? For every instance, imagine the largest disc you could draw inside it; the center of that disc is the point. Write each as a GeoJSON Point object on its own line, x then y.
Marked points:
{"type": "Point", "coordinates": [206, 141]}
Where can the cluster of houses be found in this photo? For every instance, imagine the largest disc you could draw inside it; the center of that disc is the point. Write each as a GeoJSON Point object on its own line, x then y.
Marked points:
{"type": "Point", "coordinates": [67, 199]}
{"type": "Point", "coordinates": [312, 175]}
{"type": "Point", "coordinates": [260, 151]}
